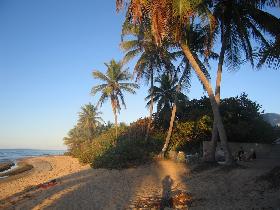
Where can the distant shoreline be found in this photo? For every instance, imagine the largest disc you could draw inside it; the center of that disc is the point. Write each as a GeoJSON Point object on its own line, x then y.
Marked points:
{"type": "Point", "coordinates": [18, 154]}
{"type": "Point", "coordinates": [19, 166]}
{"type": "Point", "coordinates": [13, 161]}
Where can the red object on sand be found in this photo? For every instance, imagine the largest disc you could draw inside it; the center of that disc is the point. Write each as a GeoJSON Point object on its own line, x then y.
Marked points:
{"type": "Point", "coordinates": [48, 184]}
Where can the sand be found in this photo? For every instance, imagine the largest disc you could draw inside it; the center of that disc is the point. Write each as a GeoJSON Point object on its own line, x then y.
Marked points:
{"type": "Point", "coordinates": [80, 187]}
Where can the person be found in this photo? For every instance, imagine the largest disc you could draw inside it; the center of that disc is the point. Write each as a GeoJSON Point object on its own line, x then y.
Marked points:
{"type": "Point", "coordinates": [240, 155]}
{"type": "Point", "coordinates": [253, 155]}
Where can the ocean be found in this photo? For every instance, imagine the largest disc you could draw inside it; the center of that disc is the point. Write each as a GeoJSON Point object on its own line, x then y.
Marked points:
{"type": "Point", "coordinates": [14, 154]}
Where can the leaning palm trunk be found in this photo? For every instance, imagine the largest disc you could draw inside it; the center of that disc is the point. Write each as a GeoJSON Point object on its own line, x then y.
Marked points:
{"type": "Point", "coordinates": [170, 129]}
{"type": "Point", "coordinates": [151, 107]}
{"type": "Point", "coordinates": [214, 105]}
{"type": "Point", "coordinates": [214, 139]}
{"type": "Point", "coordinates": [173, 115]}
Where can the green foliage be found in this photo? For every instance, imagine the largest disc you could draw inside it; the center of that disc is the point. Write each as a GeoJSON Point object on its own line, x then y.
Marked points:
{"type": "Point", "coordinates": [243, 120]}
{"type": "Point", "coordinates": [189, 135]}
{"type": "Point", "coordinates": [99, 146]}
{"type": "Point", "coordinates": [151, 58]}
{"type": "Point", "coordinates": [165, 96]}
{"type": "Point", "coordinates": [129, 149]}
{"type": "Point", "coordinates": [195, 109]}
{"type": "Point", "coordinates": [88, 126]}
{"type": "Point", "coordinates": [241, 116]}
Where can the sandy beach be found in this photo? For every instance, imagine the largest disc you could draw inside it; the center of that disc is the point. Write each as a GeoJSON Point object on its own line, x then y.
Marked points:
{"type": "Point", "coordinates": [80, 187]}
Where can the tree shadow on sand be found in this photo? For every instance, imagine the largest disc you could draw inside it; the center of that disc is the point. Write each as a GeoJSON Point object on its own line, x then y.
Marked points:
{"type": "Point", "coordinates": [77, 191]}
{"type": "Point", "coordinates": [98, 189]}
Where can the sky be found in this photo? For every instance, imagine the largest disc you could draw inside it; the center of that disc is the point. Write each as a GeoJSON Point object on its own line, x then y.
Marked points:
{"type": "Point", "coordinates": [48, 50]}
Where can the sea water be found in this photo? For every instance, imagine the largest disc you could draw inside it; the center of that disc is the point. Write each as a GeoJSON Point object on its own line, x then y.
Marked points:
{"type": "Point", "coordinates": [14, 154]}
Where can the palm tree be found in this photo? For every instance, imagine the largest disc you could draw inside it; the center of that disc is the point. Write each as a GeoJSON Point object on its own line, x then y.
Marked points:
{"type": "Point", "coordinates": [171, 20]}
{"type": "Point", "coordinates": [164, 96]}
{"type": "Point", "coordinates": [151, 58]}
{"type": "Point", "coordinates": [167, 96]}
{"type": "Point", "coordinates": [89, 119]}
{"type": "Point", "coordinates": [171, 16]}
{"type": "Point", "coordinates": [236, 37]}
{"type": "Point", "coordinates": [115, 83]}
{"type": "Point", "coordinates": [196, 37]}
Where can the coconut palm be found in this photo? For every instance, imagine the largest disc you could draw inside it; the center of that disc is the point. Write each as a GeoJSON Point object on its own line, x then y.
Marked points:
{"type": "Point", "coordinates": [115, 82]}
{"type": "Point", "coordinates": [240, 27]}
{"type": "Point", "coordinates": [196, 38]}
{"type": "Point", "coordinates": [171, 20]}
{"type": "Point", "coordinates": [152, 58]}
{"type": "Point", "coordinates": [164, 96]}
{"type": "Point", "coordinates": [89, 119]}
{"type": "Point", "coordinates": [167, 96]}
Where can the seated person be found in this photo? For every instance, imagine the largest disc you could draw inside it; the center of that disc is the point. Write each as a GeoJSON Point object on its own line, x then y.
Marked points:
{"type": "Point", "coordinates": [240, 154]}
{"type": "Point", "coordinates": [252, 155]}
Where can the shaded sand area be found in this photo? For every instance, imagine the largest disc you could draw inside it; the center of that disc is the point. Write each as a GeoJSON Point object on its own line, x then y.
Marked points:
{"type": "Point", "coordinates": [80, 187]}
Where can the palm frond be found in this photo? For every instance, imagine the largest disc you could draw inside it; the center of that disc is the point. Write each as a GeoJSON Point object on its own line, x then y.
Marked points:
{"type": "Point", "coordinates": [99, 75]}
{"type": "Point", "coordinates": [98, 88]}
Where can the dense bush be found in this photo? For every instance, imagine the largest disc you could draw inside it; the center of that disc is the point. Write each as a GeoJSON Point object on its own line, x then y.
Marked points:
{"type": "Point", "coordinates": [188, 136]}
{"type": "Point", "coordinates": [129, 149]}
{"type": "Point", "coordinates": [241, 116]}
{"type": "Point", "coordinates": [243, 121]}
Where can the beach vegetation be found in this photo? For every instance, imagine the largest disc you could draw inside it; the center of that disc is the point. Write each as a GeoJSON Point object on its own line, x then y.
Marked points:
{"type": "Point", "coordinates": [193, 125]}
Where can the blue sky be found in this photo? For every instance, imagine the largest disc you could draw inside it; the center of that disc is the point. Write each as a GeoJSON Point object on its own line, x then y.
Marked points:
{"type": "Point", "coordinates": [48, 50]}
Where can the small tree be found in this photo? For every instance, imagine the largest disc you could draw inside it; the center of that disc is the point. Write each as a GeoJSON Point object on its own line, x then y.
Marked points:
{"type": "Point", "coordinates": [89, 119]}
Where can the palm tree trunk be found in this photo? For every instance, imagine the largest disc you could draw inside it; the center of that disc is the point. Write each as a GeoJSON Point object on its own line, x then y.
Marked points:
{"type": "Point", "coordinates": [214, 105]}
{"type": "Point", "coordinates": [116, 117]}
{"type": "Point", "coordinates": [170, 129]}
{"type": "Point", "coordinates": [173, 115]}
{"type": "Point", "coordinates": [151, 106]}
{"type": "Point", "coordinates": [116, 123]}
{"type": "Point", "coordinates": [214, 138]}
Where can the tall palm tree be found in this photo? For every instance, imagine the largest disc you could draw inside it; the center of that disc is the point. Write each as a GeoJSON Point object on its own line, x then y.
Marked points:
{"type": "Point", "coordinates": [171, 20]}
{"type": "Point", "coordinates": [89, 119]}
{"type": "Point", "coordinates": [196, 38]}
{"type": "Point", "coordinates": [115, 82]}
{"type": "Point", "coordinates": [152, 58]}
{"type": "Point", "coordinates": [240, 27]}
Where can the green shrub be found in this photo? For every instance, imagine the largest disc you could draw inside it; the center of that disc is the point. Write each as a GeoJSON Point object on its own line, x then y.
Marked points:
{"type": "Point", "coordinates": [129, 149]}
{"type": "Point", "coordinates": [99, 145]}
{"type": "Point", "coordinates": [188, 136]}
